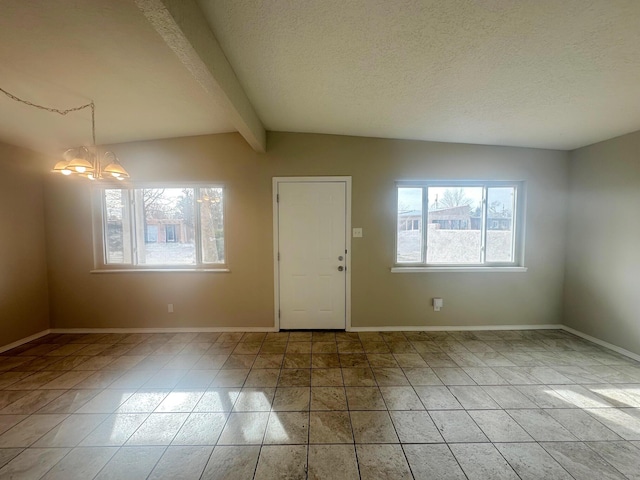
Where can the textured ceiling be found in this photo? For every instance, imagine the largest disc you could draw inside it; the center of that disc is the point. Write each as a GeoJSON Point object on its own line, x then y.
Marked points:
{"type": "Point", "coordinates": [64, 53]}
{"type": "Point", "coordinates": [538, 73]}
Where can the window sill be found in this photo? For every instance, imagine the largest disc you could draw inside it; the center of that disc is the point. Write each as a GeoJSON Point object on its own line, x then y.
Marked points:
{"type": "Point", "coordinates": [161, 270]}
{"type": "Point", "coordinates": [458, 269]}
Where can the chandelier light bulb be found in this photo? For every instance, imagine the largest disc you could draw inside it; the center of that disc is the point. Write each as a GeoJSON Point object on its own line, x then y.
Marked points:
{"type": "Point", "coordinates": [82, 160]}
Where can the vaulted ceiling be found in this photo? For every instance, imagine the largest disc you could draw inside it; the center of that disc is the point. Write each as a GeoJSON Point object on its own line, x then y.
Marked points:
{"type": "Point", "coordinates": [63, 53]}
{"type": "Point", "coordinates": [534, 73]}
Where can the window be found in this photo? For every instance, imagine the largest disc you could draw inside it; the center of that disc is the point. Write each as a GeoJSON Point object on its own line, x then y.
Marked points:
{"type": "Point", "coordinates": [171, 233]}
{"type": "Point", "coordinates": [459, 224]}
{"type": "Point", "coordinates": [163, 227]}
{"type": "Point", "coordinates": [152, 234]}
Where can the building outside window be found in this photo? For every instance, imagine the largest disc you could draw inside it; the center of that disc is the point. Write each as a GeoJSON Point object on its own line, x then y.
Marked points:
{"type": "Point", "coordinates": [162, 226]}
{"type": "Point", "coordinates": [467, 223]}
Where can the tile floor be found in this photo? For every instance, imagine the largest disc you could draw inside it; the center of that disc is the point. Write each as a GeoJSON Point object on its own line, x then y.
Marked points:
{"type": "Point", "coordinates": [319, 405]}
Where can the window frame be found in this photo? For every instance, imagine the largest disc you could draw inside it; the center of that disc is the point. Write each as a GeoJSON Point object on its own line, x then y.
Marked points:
{"type": "Point", "coordinates": [518, 231]}
{"type": "Point", "coordinates": [99, 229]}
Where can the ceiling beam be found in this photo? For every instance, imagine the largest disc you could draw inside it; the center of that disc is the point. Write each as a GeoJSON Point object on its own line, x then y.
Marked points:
{"type": "Point", "coordinates": [184, 28]}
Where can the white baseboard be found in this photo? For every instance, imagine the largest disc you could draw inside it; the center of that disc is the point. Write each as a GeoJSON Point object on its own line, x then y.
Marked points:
{"type": "Point", "coordinates": [164, 330]}
{"type": "Point", "coordinates": [602, 343]}
{"type": "Point", "coordinates": [22, 341]}
{"type": "Point", "coordinates": [455, 328]}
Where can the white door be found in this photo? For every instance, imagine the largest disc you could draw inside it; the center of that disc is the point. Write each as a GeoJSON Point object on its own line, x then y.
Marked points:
{"type": "Point", "coordinates": [312, 254]}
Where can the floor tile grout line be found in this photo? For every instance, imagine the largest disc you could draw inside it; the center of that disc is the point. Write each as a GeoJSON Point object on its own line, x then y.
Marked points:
{"type": "Point", "coordinates": [395, 429]}
{"type": "Point", "coordinates": [530, 434]}
{"type": "Point", "coordinates": [52, 466]}
{"type": "Point", "coordinates": [306, 468]}
{"type": "Point", "coordinates": [166, 447]}
{"type": "Point", "coordinates": [456, 459]}
{"type": "Point", "coordinates": [492, 443]}
{"type": "Point", "coordinates": [588, 413]}
{"type": "Point", "coordinates": [515, 385]}
{"type": "Point", "coordinates": [204, 467]}
{"type": "Point", "coordinates": [353, 436]}
{"type": "Point", "coordinates": [555, 460]}
{"type": "Point", "coordinates": [587, 443]}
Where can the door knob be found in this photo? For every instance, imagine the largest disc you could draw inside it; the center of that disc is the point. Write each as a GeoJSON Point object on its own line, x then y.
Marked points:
{"type": "Point", "coordinates": [340, 268]}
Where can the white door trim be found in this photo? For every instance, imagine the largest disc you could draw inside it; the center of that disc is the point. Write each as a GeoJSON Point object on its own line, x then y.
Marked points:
{"type": "Point", "coordinates": [276, 242]}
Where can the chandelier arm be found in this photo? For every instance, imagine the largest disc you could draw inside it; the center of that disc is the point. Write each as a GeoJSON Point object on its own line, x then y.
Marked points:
{"type": "Point", "coordinates": [97, 169]}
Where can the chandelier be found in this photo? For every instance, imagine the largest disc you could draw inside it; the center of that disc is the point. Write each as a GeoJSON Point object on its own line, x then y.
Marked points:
{"type": "Point", "coordinates": [83, 161]}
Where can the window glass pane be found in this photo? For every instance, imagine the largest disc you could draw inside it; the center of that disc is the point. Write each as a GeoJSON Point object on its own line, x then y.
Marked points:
{"type": "Point", "coordinates": [211, 203]}
{"type": "Point", "coordinates": [167, 210]}
{"type": "Point", "coordinates": [152, 234]}
{"type": "Point", "coordinates": [171, 233]}
{"type": "Point", "coordinates": [500, 206]}
{"type": "Point", "coordinates": [409, 228]}
{"type": "Point", "coordinates": [116, 226]}
{"type": "Point", "coordinates": [454, 230]}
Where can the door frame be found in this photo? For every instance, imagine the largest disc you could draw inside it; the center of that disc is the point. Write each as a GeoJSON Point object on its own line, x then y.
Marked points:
{"type": "Point", "coordinates": [276, 241]}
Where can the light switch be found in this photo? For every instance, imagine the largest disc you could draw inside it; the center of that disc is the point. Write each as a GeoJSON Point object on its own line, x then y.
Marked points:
{"type": "Point", "coordinates": [357, 233]}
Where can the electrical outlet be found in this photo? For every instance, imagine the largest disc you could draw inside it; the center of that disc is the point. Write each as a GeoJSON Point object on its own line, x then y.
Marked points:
{"type": "Point", "coordinates": [438, 303]}
{"type": "Point", "coordinates": [169, 307]}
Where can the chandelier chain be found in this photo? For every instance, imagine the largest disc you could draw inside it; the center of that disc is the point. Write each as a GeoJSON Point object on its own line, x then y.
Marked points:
{"type": "Point", "coordinates": [58, 111]}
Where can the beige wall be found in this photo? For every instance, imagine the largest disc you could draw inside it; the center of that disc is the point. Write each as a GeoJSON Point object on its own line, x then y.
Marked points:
{"type": "Point", "coordinates": [23, 270]}
{"type": "Point", "coordinates": [602, 290]}
{"type": "Point", "coordinates": [244, 297]}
